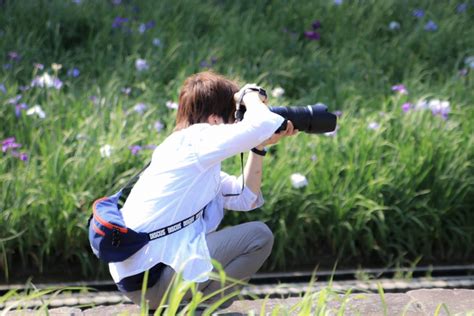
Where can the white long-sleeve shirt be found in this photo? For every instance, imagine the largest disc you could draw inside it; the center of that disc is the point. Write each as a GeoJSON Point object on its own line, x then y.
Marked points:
{"type": "Point", "coordinates": [184, 176]}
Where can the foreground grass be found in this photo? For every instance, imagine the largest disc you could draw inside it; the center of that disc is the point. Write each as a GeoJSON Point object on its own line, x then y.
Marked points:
{"type": "Point", "coordinates": [323, 302]}
{"type": "Point", "coordinates": [390, 187]}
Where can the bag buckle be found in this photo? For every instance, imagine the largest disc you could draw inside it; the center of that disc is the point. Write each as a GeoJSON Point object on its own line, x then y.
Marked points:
{"type": "Point", "coordinates": [115, 237]}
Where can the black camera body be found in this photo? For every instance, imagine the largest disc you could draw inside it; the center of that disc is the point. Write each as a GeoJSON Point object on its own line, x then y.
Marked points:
{"type": "Point", "coordinates": [312, 119]}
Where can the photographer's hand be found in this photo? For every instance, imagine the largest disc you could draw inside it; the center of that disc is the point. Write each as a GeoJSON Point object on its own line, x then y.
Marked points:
{"type": "Point", "coordinates": [248, 96]}
{"type": "Point", "coordinates": [290, 131]}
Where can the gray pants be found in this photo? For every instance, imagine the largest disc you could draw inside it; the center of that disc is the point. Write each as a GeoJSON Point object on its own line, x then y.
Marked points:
{"type": "Point", "coordinates": [241, 250]}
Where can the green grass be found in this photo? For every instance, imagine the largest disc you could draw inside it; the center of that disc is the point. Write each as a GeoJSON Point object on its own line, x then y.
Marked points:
{"type": "Point", "coordinates": [326, 301]}
{"type": "Point", "coordinates": [375, 197]}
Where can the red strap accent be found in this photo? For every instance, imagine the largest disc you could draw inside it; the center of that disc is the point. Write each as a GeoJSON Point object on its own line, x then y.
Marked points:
{"type": "Point", "coordinates": [104, 222]}
{"type": "Point", "coordinates": [98, 230]}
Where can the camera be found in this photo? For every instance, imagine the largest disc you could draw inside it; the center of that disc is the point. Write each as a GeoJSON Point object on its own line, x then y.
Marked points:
{"type": "Point", "coordinates": [312, 119]}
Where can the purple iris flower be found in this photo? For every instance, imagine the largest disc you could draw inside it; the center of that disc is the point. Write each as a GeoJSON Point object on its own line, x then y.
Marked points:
{"type": "Point", "coordinates": [141, 28]}
{"type": "Point", "coordinates": [19, 107]}
{"type": "Point", "coordinates": [94, 99]}
{"type": "Point", "coordinates": [406, 107]}
{"type": "Point", "coordinates": [14, 100]}
{"type": "Point", "coordinates": [208, 63]}
{"type": "Point", "coordinates": [9, 143]}
{"type": "Point", "coordinates": [135, 149]}
{"type": "Point", "coordinates": [57, 83]}
{"type": "Point", "coordinates": [316, 25]}
{"type": "Point", "coordinates": [150, 24]}
{"type": "Point", "coordinates": [74, 72]}
{"type": "Point", "coordinates": [400, 88]}
{"type": "Point", "coordinates": [463, 72]}
{"type": "Point", "coordinates": [141, 64]}
{"type": "Point", "coordinates": [118, 22]}
{"type": "Point", "coordinates": [312, 35]}
{"type": "Point", "coordinates": [23, 157]}
{"type": "Point", "coordinates": [159, 126]}
{"type": "Point", "coordinates": [461, 7]}
{"type": "Point", "coordinates": [126, 90]}
{"type": "Point", "coordinates": [431, 26]}
{"type": "Point", "coordinates": [156, 42]}
{"type": "Point", "coordinates": [337, 2]}
{"type": "Point", "coordinates": [146, 26]}
{"type": "Point", "coordinates": [418, 13]}
{"type": "Point", "coordinates": [14, 56]}
{"type": "Point", "coordinates": [116, 2]}
{"type": "Point", "coordinates": [38, 66]}
{"type": "Point", "coordinates": [2, 88]}
{"type": "Point", "coordinates": [373, 126]}
{"type": "Point", "coordinates": [140, 108]}
{"type": "Point", "coordinates": [7, 66]}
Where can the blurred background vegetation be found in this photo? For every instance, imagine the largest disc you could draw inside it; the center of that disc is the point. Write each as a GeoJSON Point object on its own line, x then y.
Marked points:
{"type": "Point", "coordinates": [87, 89]}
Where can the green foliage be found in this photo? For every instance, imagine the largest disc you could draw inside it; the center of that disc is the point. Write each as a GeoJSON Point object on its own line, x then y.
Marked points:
{"type": "Point", "coordinates": [385, 196]}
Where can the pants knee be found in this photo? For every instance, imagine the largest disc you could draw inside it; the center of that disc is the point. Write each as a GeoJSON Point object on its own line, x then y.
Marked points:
{"type": "Point", "coordinates": [263, 235]}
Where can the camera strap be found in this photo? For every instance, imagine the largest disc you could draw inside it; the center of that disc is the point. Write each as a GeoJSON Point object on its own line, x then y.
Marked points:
{"type": "Point", "coordinates": [243, 181]}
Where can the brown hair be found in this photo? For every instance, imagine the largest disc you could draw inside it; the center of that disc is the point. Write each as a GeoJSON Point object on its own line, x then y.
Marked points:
{"type": "Point", "coordinates": [204, 94]}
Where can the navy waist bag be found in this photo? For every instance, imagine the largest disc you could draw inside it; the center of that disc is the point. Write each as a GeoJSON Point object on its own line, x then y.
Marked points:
{"type": "Point", "coordinates": [111, 240]}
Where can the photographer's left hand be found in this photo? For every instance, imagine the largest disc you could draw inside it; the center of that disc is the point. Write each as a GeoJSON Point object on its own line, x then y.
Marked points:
{"type": "Point", "coordinates": [290, 131]}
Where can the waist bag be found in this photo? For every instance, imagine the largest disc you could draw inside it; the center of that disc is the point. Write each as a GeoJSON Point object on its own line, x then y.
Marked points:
{"type": "Point", "coordinates": [110, 239]}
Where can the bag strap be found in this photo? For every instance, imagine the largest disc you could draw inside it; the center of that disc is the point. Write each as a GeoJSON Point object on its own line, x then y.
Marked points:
{"type": "Point", "coordinates": [173, 228]}
{"type": "Point", "coordinates": [129, 185]}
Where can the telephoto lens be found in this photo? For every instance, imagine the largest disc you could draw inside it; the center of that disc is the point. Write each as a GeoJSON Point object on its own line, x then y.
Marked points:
{"type": "Point", "coordinates": [312, 119]}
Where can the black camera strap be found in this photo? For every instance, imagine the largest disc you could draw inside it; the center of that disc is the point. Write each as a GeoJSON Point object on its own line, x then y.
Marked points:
{"type": "Point", "coordinates": [239, 115]}
{"type": "Point", "coordinates": [129, 185]}
{"type": "Point", "coordinates": [243, 180]}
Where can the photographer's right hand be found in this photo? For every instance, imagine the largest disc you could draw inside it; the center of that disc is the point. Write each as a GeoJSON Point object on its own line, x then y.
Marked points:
{"type": "Point", "coordinates": [248, 97]}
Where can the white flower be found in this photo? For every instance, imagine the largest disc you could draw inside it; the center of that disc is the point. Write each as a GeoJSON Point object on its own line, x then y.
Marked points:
{"type": "Point", "coordinates": [298, 180]}
{"type": "Point", "coordinates": [141, 64]}
{"type": "Point", "coordinates": [81, 136]}
{"type": "Point", "coordinates": [46, 81]}
{"type": "Point", "coordinates": [374, 125]}
{"type": "Point", "coordinates": [142, 28]}
{"type": "Point", "coordinates": [394, 25]}
{"type": "Point", "coordinates": [43, 81]}
{"type": "Point", "coordinates": [278, 92]}
{"type": "Point", "coordinates": [439, 107]}
{"type": "Point", "coordinates": [106, 150]}
{"type": "Point", "coordinates": [56, 67]}
{"type": "Point", "coordinates": [421, 105]}
{"type": "Point", "coordinates": [469, 61]}
{"type": "Point", "coordinates": [171, 105]}
{"type": "Point", "coordinates": [36, 110]}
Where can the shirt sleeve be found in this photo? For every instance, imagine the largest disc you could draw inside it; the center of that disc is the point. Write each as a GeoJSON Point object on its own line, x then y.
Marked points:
{"type": "Point", "coordinates": [245, 201]}
{"type": "Point", "coordinates": [218, 142]}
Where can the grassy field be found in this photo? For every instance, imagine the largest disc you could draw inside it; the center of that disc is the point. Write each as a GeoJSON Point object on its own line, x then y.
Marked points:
{"type": "Point", "coordinates": [88, 88]}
